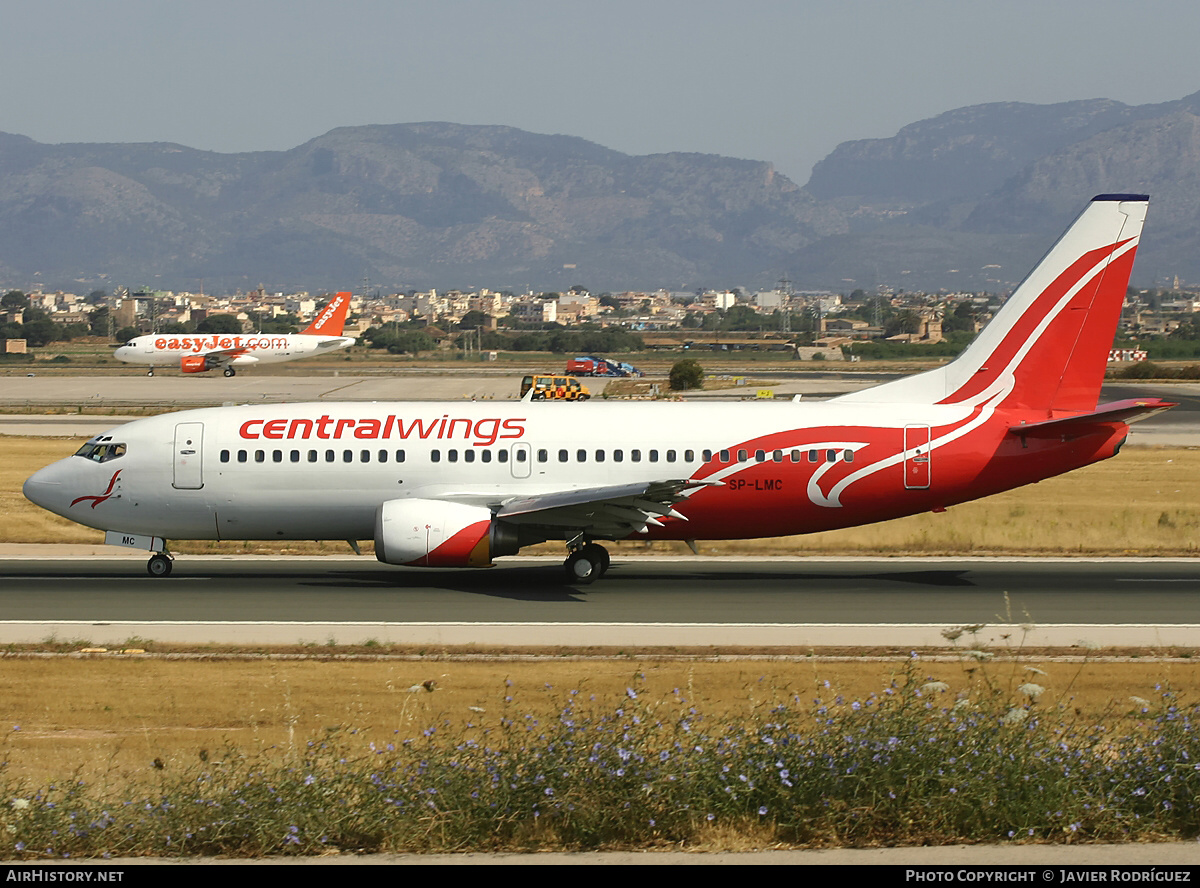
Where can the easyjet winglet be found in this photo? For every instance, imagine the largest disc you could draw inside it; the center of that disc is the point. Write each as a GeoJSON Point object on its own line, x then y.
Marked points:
{"type": "Point", "coordinates": [457, 485]}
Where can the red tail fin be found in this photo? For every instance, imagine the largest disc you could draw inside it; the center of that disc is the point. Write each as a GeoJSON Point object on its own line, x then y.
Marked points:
{"type": "Point", "coordinates": [1047, 348]}
{"type": "Point", "coordinates": [331, 319]}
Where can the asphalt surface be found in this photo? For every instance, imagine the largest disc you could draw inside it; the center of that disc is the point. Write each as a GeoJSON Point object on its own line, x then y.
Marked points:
{"type": "Point", "coordinates": [427, 385]}
{"type": "Point", "coordinates": [766, 602]}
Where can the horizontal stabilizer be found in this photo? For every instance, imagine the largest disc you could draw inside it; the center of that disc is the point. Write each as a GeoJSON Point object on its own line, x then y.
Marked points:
{"type": "Point", "coordinates": [1128, 411]}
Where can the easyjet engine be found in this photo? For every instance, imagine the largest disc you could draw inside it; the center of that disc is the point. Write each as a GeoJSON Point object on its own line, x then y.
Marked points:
{"type": "Point", "coordinates": [435, 533]}
{"type": "Point", "coordinates": [195, 364]}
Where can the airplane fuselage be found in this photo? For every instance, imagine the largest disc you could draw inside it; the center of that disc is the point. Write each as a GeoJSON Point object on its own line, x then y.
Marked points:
{"type": "Point", "coordinates": [321, 471]}
{"type": "Point", "coordinates": [160, 349]}
{"type": "Point", "coordinates": [201, 352]}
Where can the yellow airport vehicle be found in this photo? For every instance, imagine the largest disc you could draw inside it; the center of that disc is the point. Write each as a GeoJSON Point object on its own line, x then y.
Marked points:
{"type": "Point", "coordinates": [555, 388]}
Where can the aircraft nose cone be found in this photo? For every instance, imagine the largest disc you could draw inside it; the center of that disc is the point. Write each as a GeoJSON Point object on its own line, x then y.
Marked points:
{"type": "Point", "coordinates": [43, 488]}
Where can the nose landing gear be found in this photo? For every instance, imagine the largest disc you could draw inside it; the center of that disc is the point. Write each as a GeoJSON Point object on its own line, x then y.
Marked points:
{"type": "Point", "coordinates": [159, 565]}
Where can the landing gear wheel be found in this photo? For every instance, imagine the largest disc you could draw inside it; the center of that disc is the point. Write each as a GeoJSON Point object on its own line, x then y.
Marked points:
{"type": "Point", "coordinates": [159, 565]}
{"type": "Point", "coordinates": [599, 554]}
{"type": "Point", "coordinates": [150, 372]}
{"type": "Point", "coordinates": [586, 565]}
{"type": "Point", "coordinates": [581, 570]}
{"type": "Point", "coordinates": [229, 371]}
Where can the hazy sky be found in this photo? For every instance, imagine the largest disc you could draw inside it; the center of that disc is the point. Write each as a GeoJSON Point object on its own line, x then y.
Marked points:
{"type": "Point", "coordinates": [763, 79]}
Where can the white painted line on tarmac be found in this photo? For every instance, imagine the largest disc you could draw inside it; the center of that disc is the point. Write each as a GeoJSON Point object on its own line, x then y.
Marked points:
{"type": "Point", "coordinates": [1156, 580]}
{"type": "Point", "coordinates": [109, 578]}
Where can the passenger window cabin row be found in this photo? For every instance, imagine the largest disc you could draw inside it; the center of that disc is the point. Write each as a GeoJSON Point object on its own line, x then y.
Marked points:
{"type": "Point", "coordinates": [564, 455]}
{"type": "Point", "coordinates": [312, 456]}
{"type": "Point", "coordinates": [723, 456]}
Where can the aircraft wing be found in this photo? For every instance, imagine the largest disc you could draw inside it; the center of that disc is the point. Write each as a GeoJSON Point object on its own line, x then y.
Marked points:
{"type": "Point", "coordinates": [223, 355]}
{"type": "Point", "coordinates": [614, 511]}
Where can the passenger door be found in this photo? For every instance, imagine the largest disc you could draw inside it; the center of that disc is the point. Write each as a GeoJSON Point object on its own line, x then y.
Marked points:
{"type": "Point", "coordinates": [189, 456]}
{"type": "Point", "coordinates": [917, 455]}
{"type": "Point", "coordinates": [521, 460]}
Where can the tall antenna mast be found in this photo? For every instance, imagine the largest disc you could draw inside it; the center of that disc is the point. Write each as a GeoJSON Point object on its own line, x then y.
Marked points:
{"type": "Point", "coordinates": [785, 310]}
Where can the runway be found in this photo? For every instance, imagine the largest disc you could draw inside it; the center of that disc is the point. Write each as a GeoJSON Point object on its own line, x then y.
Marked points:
{"type": "Point", "coordinates": [721, 603]}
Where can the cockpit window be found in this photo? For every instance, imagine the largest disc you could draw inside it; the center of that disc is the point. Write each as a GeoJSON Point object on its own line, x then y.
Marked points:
{"type": "Point", "coordinates": [101, 452]}
{"type": "Point", "coordinates": [131, 343]}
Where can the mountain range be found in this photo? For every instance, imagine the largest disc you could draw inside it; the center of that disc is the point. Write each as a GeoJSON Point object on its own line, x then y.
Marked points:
{"type": "Point", "coordinates": [965, 200]}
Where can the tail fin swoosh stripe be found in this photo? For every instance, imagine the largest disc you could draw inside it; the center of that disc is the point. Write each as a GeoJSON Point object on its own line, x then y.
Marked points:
{"type": "Point", "coordinates": [1032, 324]}
{"type": "Point", "coordinates": [1045, 351]}
{"type": "Point", "coordinates": [1083, 324]}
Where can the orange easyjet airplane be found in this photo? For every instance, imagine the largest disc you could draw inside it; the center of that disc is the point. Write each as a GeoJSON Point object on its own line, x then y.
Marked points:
{"type": "Point", "coordinates": [198, 353]}
{"type": "Point", "coordinates": [457, 484]}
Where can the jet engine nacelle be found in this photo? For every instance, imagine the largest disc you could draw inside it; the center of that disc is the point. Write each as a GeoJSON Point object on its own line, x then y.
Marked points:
{"type": "Point", "coordinates": [195, 364]}
{"type": "Point", "coordinates": [435, 533]}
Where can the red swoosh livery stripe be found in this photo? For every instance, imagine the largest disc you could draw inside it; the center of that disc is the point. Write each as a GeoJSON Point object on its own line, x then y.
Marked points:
{"type": "Point", "coordinates": [97, 499]}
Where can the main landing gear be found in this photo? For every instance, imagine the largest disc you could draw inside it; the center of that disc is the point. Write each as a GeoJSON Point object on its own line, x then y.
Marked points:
{"type": "Point", "coordinates": [150, 372]}
{"type": "Point", "coordinates": [159, 565]}
{"type": "Point", "coordinates": [586, 564]}
{"type": "Point", "coordinates": [229, 371]}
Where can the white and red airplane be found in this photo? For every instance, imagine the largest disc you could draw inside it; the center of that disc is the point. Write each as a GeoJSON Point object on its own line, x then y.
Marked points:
{"type": "Point", "coordinates": [457, 484]}
{"type": "Point", "coordinates": [200, 352]}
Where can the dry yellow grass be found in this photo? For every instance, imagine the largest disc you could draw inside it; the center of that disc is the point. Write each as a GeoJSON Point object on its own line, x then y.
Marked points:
{"type": "Point", "coordinates": [1146, 501]}
{"type": "Point", "coordinates": [108, 718]}
{"type": "Point", "coordinates": [20, 520]}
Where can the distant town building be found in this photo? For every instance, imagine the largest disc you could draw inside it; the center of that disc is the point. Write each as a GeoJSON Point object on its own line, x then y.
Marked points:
{"type": "Point", "coordinates": [535, 310]}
